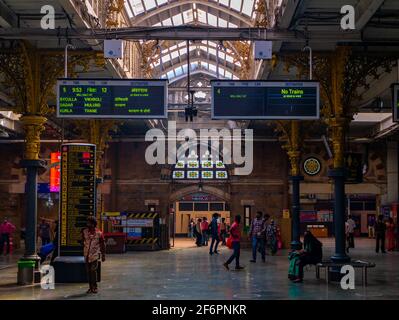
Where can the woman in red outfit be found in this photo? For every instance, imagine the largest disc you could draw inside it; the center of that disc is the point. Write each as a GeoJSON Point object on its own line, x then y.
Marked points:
{"type": "Point", "coordinates": [391, 234]}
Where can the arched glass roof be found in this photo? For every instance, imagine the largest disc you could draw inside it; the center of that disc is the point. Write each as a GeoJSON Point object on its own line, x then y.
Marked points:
{"type": "Point", "coordinates": [171, 60]}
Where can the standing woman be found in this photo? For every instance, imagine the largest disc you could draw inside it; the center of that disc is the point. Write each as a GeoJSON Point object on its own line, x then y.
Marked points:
{"type": "Point", "coordinates": [198, 233]}
{"type": "Point", "coordinates": [235, 234]}
{"type": "Point", "coordinates": [391, 234]}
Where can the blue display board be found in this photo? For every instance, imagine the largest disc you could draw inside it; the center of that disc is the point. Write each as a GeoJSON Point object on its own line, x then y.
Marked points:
{"type": "Point", "coordinates": [267, 100]}
{"type": "Point", "coordinates": [116, 98]}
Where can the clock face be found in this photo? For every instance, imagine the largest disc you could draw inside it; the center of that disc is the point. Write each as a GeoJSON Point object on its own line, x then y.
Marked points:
{"type": "Point", "coordinates": [312, 166]}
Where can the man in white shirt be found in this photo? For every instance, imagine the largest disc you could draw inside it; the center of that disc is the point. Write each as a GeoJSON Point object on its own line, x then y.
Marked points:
{"type": "Point", "coordinates": [351, 225]}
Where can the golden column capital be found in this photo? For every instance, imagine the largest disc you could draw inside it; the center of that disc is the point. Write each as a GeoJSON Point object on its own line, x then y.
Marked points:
{"type": "Point", "coordinates": [33, 126]}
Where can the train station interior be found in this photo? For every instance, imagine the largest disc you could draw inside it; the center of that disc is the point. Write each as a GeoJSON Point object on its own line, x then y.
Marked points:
{"type": "Point", "coordinates": [151, 114]}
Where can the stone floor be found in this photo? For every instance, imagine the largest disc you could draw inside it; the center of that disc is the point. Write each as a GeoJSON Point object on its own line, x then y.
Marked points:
{"type": "Point", "coordinates": [187, 272]}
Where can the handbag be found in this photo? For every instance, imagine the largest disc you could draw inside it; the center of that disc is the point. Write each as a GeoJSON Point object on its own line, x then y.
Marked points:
{"type": "Point", "coordinates": [229, 242]}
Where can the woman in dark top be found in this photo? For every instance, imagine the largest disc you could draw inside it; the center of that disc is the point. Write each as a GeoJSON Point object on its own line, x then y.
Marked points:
{"type": "Point", "coordinates": [311, 254]}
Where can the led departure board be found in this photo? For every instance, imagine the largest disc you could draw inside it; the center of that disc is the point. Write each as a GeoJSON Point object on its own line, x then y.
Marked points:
{"type": "Point", "coordinates": [116, 98]}
{"type": "Point", "coordinates": [268, 100]}
{"type": "Point", "coordinates": [77, 195]}
{"type": "Point", "coordinates": [395, 88]}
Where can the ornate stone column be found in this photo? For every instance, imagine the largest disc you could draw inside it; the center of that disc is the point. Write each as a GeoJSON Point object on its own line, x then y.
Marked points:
{"type": "Point", "coordinates": [33, 126]}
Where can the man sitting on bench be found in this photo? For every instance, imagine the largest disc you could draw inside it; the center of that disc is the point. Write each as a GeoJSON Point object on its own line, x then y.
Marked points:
{"type": "Point", "coordinates": [311, 254]}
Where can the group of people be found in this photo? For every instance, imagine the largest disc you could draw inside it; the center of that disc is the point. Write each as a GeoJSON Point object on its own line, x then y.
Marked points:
{"type": "Point", "coordinates": [382, 230]}
{"type": "Point", "coordinates": [202, 230]}
{"type": "Point", "coordinates": [262, 233]}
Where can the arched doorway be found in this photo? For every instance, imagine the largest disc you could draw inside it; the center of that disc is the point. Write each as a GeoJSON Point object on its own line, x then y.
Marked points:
{"type": "Point", "coordinates": [192, 203]}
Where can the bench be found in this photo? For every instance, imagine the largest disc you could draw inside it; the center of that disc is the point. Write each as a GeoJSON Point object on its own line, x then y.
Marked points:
{"type": "Point", "coordinates": [327, 265]}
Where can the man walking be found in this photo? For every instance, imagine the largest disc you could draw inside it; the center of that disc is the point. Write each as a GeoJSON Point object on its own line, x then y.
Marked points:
{"type": "Point", "coordinates": [380, 230]}
{"type": "Point", "coordinates": [214, 234]}
{"type": "Point", "coordinates": [235, 233]}
{"type": "Point", "coordinates": [6, 230]}
{"type": "Point", "coordinates": [351, 232]}
{"type": "Point", "coordinates": [257, 236]}
{"type": "Point", "coordinates": [93, 250]}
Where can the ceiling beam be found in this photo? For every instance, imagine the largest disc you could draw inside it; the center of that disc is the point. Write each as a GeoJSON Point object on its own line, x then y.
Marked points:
{"type": "Point", "coordinates": [183, 33]}
{"type": "Point", "coordinates": [138, 20]}
{"type": "Point", "coordinates": [8, 18]}
{"type": "Point", "coordinates": [365, 10]}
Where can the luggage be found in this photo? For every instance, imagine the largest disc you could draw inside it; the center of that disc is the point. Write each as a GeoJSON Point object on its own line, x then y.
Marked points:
{"type": "Point", "coordinates": [229, 242]}
{"type": "Point", "coordinates": [293, 269]}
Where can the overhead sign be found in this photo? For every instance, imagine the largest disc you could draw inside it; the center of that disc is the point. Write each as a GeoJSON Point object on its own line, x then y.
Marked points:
{"type": "Point", "coordinates": [117, 98]}
{"type": "Point", "coordinates": [78, 195]}
{"type": "Point", "coordinates": [267, 100]}
{"type": "Point", "coordinates": [395, 88]}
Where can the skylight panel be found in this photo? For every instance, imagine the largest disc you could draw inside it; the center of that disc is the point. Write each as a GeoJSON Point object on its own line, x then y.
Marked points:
{"type": "Point", "coordinates": [224, 2]}
{"type": "Point", "coordinates": [167, 22]}
{"type": "Point", "coordinates": [201, 16]}
{"type": "Point", "coordinates": [232, 25]}
{"type": "Point", "coordinates": [236, 5]}
{"type": "Point", "coordinates": [247, 7]}
{"type": "Point", "coordinates": [188, 16]}
{"type": "Point", "coordinates": [212, 51]}
{"type": "Point", "coordinates": [150, 4]}
{"type": "Point", "coordinates": [212, 67]}
{"type": "Point", "coordinates": [137, 7]}
{"type": "Point", "coordinates": [194, 65]}
{"type": "Point", "coordinates": [228, 74]}
{"type": "Point", "coordinates": [170, 74]}
{"type": "Point", "coordinates": [177, 20]}
{"type": "Point", "coordinates": [161, 2]}
{"type": "Point", "coordinates": [229, 58]}
{"type": "Point", "coordinates": [179, 71]}
{"type": "Point", "coordinates": [166, 58]}
{"type": "Point", "coordinates": [129, 12]}
{"type": "Point", "coordinates": [174, 54]}
{"type": "Point", "coordinates": [212, 20]}
{"type": "Point", "coordinates": [222, 23]}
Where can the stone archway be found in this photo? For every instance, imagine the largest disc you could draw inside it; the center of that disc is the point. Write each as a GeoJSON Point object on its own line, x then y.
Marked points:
{"type": "Point", "coordinates": [178, 194]}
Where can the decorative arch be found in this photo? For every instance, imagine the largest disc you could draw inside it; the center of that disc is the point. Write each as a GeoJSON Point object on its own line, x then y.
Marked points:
{"type": "Point", "coordinates": [184, 191]}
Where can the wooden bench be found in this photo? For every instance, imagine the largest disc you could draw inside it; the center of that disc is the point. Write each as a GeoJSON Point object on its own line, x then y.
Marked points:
{"type": "Point", "coordinates": [327, 265]}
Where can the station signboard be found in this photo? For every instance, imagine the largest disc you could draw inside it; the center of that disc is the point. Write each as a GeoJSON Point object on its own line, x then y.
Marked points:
{"type": "Point", "coordinates": [77, 195]}
{"type": "Point", "coordinates": [265, 100]}
{"type": "Point", "coordinates": [112, 99]}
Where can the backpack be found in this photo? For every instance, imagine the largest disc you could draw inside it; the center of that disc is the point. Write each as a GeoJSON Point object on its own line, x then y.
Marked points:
{"type": "Point", "coordinates": [293, 269]}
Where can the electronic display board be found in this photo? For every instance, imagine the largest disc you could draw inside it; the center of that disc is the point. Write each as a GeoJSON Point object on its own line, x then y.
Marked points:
{"type": "Point", "coordinates": [267, 100]}
{"type": "Point", "coordinates": [55, 171]}
{"type": "Point", "coordinates": [395, 88]}
{"type": "Point", "coordinates": [77, 195]}
{"type": "Point", "coordinates": [116, 98]}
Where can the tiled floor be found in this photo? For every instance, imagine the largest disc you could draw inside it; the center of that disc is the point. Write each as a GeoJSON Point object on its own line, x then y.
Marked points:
{"type": "Point", "coordinates": [187, 272]}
